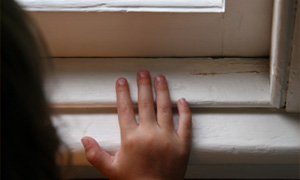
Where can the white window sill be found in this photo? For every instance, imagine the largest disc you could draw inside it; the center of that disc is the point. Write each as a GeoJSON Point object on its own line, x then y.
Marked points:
{"type": "Point", "coordinates": [204, 82]}
{"type": "Point", "coordinates": [227, 143]}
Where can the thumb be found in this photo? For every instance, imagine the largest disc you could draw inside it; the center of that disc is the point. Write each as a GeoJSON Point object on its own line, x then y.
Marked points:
{"type": "Point", "coordinates": [99, 158]}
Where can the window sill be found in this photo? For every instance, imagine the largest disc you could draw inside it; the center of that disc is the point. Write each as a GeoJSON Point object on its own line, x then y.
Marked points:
{"type": "Point", "coordinates": [227, 143]}
{"type": "Point", "coordinates": [204, 82]}
{"type": "Point", "coordinates": [222, 145]}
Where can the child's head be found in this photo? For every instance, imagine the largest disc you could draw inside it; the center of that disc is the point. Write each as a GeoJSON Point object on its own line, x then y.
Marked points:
{"type": "Point", "coordinates": [28, 140]}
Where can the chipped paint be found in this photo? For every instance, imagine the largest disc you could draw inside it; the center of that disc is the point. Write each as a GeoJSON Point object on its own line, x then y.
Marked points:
{"type": "Point", "coordinates": [204, 82]}
{"type": "Point", "coordinates": [214, 73]}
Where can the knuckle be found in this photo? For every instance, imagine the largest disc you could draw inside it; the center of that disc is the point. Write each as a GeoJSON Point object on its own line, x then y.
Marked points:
{"type": "Point", "coordinates": [164, 109]}
{"type": "Point", "coordinates": [144, 104]}
{"type": "Point", "coordinates": [123, 108]}
{"type": "Point", "coordinates": [91, 156]}
{"type": "Point", "coordinates": [162, 87]}
{"type": "Point", "coordinates": [149, 142]}
{"type": "Point", "coordinates": [186, 111]}
{"type": "Point", "coordinates": [123, 88]}
{"type": "Point", "coordinates": [157, 144]}
{"type": "Point", "coordinates": [130, 141]}
{"type": "Point", "coordinates": [187, 118]}
{"type": "Point", "coordinates": [144, 81]}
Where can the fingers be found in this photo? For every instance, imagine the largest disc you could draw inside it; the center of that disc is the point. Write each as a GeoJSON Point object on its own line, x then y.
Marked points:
{"type": "Point", "coordinates": [185, 120]}
{"type": "Point", "coordinates": [126, 114]}
{"type": "Point", "coordinates": [96, 156]}
{"type": "Point", "coordinates": [163, 103]}
{"type": "Point", "coordinates": [145, 98]}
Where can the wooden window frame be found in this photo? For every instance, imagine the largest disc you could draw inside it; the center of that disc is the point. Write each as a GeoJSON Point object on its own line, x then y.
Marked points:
{"type": "Point", "coordinates": [228, 141]}
{"type": "Point", "coordinates": [283, 32]}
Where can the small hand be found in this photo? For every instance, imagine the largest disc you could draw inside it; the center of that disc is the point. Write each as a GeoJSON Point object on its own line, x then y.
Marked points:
{"type": "Point", "coordinates": [152, 149]}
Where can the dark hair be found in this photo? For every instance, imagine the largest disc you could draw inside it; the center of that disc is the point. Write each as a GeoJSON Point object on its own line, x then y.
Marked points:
{"type": "Point", "coordinates": [29, 142]}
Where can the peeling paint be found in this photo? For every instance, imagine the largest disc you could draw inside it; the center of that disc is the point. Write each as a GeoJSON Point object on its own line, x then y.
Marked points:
{"type": "Point", "coordinates": [215, 73]}
{"type": "Point", "coordinates": [230, 82]}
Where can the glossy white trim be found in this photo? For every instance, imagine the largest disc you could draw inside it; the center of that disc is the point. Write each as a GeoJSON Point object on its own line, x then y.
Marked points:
{"type": "Point", "coordinates": [204, 82]}
{"type": "Point", "coordinates": [281, 49]}
{"type": "Point", "coordinates": [238, 139]}
{"type": "Point", "coordinates": [125, 6]}
{"type": "Point", "coordinates": [89, 33]}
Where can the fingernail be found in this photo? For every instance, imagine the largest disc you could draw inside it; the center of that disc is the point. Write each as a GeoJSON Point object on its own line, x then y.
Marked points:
{"type": "Point", "coordinates": [121, 81]}
{"type": "Point", "coordinates": [160, 78]}
{"type": "Point", "coordinates": [85, 142]}
{"type": "Point", "coordinates": [183, 101]}
{"type": "Point", "coordinates": [143, 73]}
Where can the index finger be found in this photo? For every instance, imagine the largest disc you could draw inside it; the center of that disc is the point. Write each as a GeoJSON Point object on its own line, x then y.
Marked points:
{"type": "Point", "coordinates": [126, 114]}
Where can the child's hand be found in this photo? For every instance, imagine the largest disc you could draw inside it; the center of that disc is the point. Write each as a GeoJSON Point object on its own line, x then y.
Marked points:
{"type": "Point", "coordinates": [151, 149]}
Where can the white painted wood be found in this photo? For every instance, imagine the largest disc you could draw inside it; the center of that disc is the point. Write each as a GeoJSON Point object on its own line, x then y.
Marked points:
{"type": "Point", "coordinates": [243, 30]}
{"type": "Point", "coordinates": [204, 82]}
{"type": "Point", "coordinates": [293, 98]}
{"type": "Point", "coordinates": [239, 140]}
{"type": "Point", "coordinates": [128, 6]}
{"type": "Point", "coordinates": [282, 38]}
